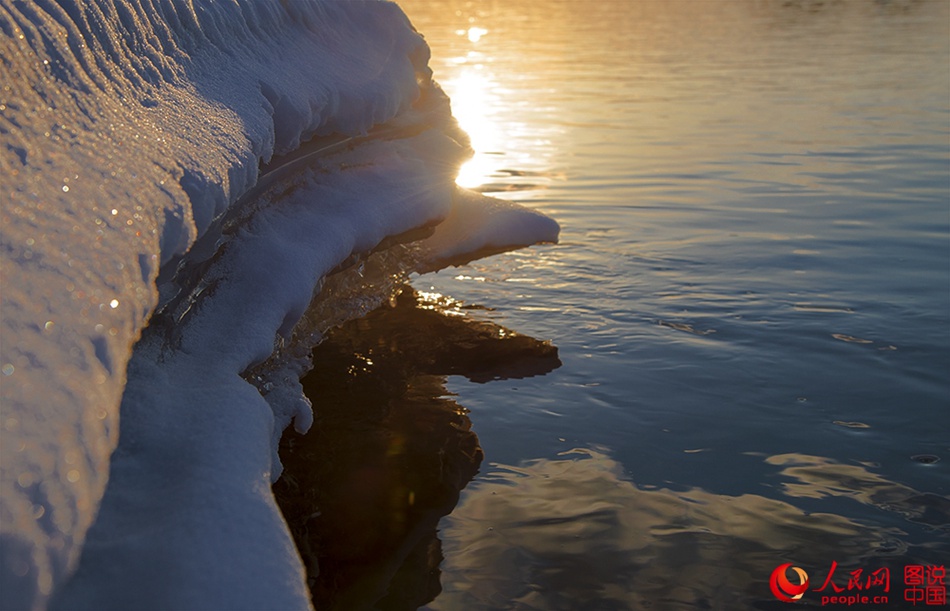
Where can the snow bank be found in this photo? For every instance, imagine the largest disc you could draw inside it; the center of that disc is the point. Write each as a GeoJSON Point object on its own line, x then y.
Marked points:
{"type": "Point", "coordinates": [132, 133]}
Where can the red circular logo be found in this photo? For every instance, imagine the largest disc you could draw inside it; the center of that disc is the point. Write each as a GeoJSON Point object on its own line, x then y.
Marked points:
{"type": "Point", "coordinates": [784, 589]}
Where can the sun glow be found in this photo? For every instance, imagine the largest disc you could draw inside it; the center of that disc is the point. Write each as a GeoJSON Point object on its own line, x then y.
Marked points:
{"type": "Point", "coordinates": [473, 97]}
{"type": "Point", "coordinates": [493, 107]}
{"type": "Point", "coordinates": [475, 33]}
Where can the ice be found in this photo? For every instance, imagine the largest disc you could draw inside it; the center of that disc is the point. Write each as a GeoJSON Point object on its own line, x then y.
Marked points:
{"type": "Point", "coordinates": [478, 225]}
{"type": "Point", "coordinates": [133, 133]}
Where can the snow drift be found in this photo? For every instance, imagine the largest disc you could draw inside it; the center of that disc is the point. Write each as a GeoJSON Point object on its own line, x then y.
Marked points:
{"type": "Point", "coordinates": [183, 177]}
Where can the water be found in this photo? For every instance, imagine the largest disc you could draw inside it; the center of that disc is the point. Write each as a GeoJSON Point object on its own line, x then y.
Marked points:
{"type": "Point", "coordinates": [750, 300]}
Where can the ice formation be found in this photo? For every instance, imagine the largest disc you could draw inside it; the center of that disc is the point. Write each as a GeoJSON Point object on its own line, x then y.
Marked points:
{"type": "Point", "coordinates": [135, 212]}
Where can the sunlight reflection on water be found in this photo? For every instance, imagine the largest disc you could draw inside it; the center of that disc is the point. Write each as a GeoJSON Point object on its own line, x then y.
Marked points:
{"type": "Point", "coordinates": [480, 103]}
{"type": "Point", "coordinates": [470, 92]}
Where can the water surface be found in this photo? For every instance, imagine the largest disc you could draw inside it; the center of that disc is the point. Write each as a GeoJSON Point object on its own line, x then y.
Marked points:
{"type": "Point", "coordinates": [750, 300]}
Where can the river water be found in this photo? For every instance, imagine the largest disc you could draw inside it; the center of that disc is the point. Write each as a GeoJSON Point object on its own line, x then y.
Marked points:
{"type": "Point", "coordinates": [750, 304]}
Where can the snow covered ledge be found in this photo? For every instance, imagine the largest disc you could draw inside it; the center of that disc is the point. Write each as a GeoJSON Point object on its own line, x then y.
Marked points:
{"type": "Point", "coordinates": [129, 130]}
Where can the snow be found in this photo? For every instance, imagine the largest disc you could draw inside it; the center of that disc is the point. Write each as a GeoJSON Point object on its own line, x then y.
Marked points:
{"type": "Point", "coordinates": [132, 133]}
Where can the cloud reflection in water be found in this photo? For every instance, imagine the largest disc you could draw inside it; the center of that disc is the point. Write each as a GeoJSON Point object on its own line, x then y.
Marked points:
{"type": "Point", "coordinates": [574, 533]}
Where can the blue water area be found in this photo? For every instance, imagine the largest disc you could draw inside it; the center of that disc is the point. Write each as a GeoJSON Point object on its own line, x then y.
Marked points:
{"type": "Point", "coordinates": [750, 298]}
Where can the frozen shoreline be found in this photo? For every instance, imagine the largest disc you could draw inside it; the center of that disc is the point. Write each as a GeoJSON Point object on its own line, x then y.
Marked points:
{"type": "Point", "coordinates": [130, 131]}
